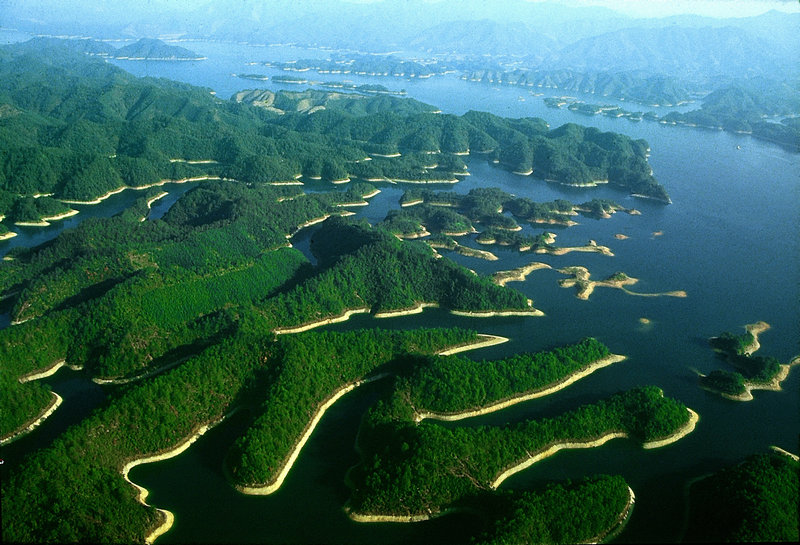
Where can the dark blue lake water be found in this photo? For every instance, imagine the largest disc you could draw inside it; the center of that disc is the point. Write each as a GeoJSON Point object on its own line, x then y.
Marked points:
{"type": "Point", "coordinates": [730, 240]}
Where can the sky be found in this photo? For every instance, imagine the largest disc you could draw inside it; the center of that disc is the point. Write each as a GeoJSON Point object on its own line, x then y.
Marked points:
{"type": "Point", "coordinates": [635, 8]}
{"type": "Point", "coordinates": [711, 8]}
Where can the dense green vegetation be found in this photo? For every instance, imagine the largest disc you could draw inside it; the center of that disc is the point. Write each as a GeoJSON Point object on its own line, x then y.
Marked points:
{"type": "Point", "coordinates": [485, 205]}
{"type": "Point", "coordinates": [150, 48]}
{"type": "Point", "coordinates": [453, 383]}
{"type": "Point", "coordinates": [364, 267]}
{"type": "Point", "coordinates": [409, 468]}
{"type": "Point", "coordinates": [731, 344]}
{"type": "Point", "coordinates": [625, 85]}
{"type": "Point", "coordinates": [183, 311]}
{"type": "Point", "coordinates": [755, 501]}
{"type": "Point", "coordinates": [363, 65]}
{"type": "Point", "coordinates": [306, 369]}
{"type": "Point", "coordinates": [78, 128]}
{"type": "Point", "coordinates": [572, 512]}
{"type": "Point", "coordinates": [724, 382]}
{"type": "Point", "coordinates": [743, 106]}
{"type": "Point", "coordinates": [750, 370]}
{"type": "Point", "coordinates": [121, 297]}
{"type": "Point", "coordinates": [56, 497]}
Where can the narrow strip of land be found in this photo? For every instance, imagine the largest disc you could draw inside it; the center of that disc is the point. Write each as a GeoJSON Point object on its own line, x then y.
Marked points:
{"type": "Point", "coordinates": [263, 490]}
{"type": "Point", "coordinates": [555, 447]}
{"type": "Point", "coordinates": [508, 402]}
{"type": "Point", "coordinates": [483, 341]}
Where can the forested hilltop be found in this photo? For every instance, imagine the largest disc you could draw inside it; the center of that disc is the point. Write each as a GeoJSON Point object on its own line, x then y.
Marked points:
{"type": "Point", "coordinates": [74, 128]}
{"type": "Point", "coordinates": [754, 501]}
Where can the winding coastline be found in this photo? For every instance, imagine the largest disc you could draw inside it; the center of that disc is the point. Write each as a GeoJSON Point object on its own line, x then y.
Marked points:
{"type": "Point", "coordinates": [48, 372]}
{"type": "Point", "coordinates": [269, 488]}
{"type": "Point", "coordinates": [555, 447]}
{"type": "Point", "coordinates": [508, 402]}
{"type": "Point", "coordinates": [773, 385]}
{"type": "Point", "coordinates": [311, 325]}
{"type": "Point", "coordinates": [501, 278]}
{"type": "Point", "coordinates": [169, 518]}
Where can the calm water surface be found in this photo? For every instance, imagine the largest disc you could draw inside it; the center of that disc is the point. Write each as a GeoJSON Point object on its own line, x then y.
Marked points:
{"type": "Point", "coordinates": [730, 240]}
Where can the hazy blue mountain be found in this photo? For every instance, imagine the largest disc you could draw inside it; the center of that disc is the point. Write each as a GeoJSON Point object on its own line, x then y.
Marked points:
{"type": "Point", "coordinates": [706, 52]}
{"type": "Point", "coordinates": [483, 37]}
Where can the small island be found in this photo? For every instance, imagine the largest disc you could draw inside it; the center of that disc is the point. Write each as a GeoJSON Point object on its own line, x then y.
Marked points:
{"type": "Point", "coordinates": [751, 372]}
{"type": "Point", "coordinates": [580, 280]}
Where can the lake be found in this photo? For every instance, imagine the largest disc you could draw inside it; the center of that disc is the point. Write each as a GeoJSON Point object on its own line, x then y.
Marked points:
{"type": "Point", "coordinates": [730, 240]}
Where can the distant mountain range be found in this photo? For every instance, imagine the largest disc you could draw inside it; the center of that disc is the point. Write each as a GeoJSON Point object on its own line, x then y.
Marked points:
{"type": "Point", "coordinates": [522, 35]}
{"type": "Point", "coordinates": [476, 38]}
{"type": "Point", "coordinates": [680, 51]}
{"type": "Point", "coordinates": [144, 49]}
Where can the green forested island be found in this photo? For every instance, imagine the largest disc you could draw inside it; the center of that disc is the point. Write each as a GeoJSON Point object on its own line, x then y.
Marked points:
{"type": "Point", "coordinates": [751, 372]}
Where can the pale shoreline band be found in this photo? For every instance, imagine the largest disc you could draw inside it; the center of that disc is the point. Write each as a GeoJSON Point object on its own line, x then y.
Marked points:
{"type": "Point", "coordinates": [276, 484]}
{"type": "Point", "coordinates": [552, 449]}
{"type": "Point", "coordinates": [343, 317]}
{"type": "Point", "coordinates": [567, 381]}
{"type": "Point", "coordinates": [143, 492]}
{"type": "Point", "coordinates": [33, 425]}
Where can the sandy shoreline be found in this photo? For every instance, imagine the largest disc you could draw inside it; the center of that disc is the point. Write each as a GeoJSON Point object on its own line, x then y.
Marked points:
{"type": "Point", "coordinates": [473, 252]}
{"type": "Point", "coordinates": [287, 466]}
{"type": "Point", "coordinates": [592, 246]}
{"type": "Point", "coordinates": [360, 517]}
{"type": "Point", "coordinates": [491, 313]}
{"type": "Point", "coordinates": [311, 325]}
{"type": "Point", "coordinates": [33, 425]}
{"type": "Point", "coordinates": [501, 278]}
{"type": "Point", "coordinates": [546, 390]}
{"type": "Point", "coordinates": [774, 385]}
{"type": "Point", "coordinates": [580, 279]}
{"type": "Point", "coordinates": [779, 450]}
{"type": "Point", "coordinates": [405, 312]}
{"type": "Point", "coordinates": [8, 235]}
{"type": "Point", "coordinates": [755, 330]}
{"type": "Point", "coordinates": [309, 223]}
{"type": "Point", "coordinates": [120, 189]}
{"type": "Point", "coordinates": [683, 432]}
{"type": "Point", "coordinates": [622, 520]}
{"type": "Point", "coordinates": [50, 371]}
{"type": "Point", "coordinates": [552, 449]}
{"type": "Point", "coordinates": [483, 341]}
{"type": "Point", "coordinates": [143, 492]}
